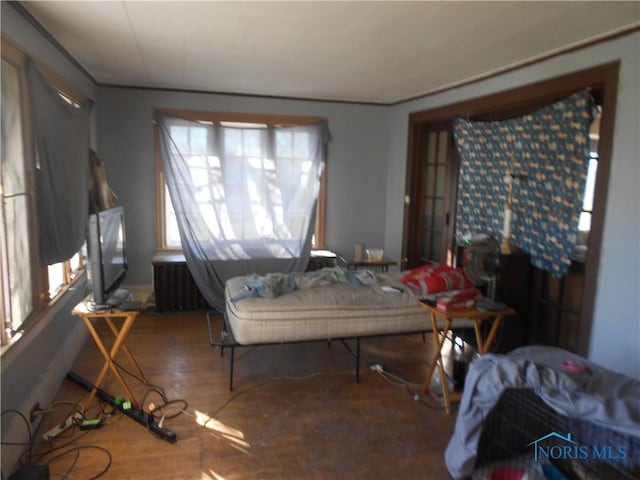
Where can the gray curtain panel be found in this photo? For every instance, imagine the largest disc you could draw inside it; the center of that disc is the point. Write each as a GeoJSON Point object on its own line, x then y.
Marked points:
{"type": "Point", "coordinates": [244, 198]}
{"type": "Point", "coordinates": [61, 136]}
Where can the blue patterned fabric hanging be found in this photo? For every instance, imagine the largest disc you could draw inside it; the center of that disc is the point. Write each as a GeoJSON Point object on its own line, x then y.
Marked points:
{"type": "Point", "coordinates": [549, 149]}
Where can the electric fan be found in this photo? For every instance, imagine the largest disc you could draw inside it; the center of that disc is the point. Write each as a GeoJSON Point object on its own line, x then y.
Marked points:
{"type": "Point", "coordinates": [481, 262]}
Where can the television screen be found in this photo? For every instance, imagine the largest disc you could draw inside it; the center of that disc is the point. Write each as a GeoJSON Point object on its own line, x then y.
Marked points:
{"type": "Point", "coordinates": [107, 260]}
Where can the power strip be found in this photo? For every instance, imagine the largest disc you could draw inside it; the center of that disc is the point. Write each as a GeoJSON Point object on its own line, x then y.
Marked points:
{"type": "Point", "coordinates": [139, 416]}
{"type": "Point", "coordinates": [75, 417]}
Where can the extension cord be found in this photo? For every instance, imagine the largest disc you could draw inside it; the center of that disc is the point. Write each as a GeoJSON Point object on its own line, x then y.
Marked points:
{"type": "Point", "coordinates": [72, 419]}
{"type": "Point", "coordinates": [376, 367]}
{"type": "Point", "coordinates": [91, 424]}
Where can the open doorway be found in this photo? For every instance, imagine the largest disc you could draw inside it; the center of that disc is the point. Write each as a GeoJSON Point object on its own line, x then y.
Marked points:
{"type": "Point", "coordinates": [431, 191]}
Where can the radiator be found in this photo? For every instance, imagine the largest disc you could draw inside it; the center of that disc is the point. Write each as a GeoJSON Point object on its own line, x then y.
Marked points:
{"type": "Point", "coordinates": [174, 287]}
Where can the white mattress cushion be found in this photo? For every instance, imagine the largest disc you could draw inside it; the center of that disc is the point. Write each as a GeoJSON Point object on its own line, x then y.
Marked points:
{"type": "Point", "coordinates": [331, 311]}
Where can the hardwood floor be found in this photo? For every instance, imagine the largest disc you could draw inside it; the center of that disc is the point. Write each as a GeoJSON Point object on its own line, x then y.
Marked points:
{"type": "Point", "coordinates": [296, 411]}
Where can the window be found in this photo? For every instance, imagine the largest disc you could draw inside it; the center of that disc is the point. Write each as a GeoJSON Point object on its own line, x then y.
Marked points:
{"type": "Point", "coordinates": [26, 285]}
{"type": "Point", "coordinates": [16, 260]}
{"type": "Point", "coordinates": [244, 144]}
{"type": "Point", "coordinates": [587, 204]}
{"type": "Point", "coordinates": [62, 274]}
{"type": "Point", "coordinates": [436, 159]}
{"type": "Point", "coordinates": [584, 226]}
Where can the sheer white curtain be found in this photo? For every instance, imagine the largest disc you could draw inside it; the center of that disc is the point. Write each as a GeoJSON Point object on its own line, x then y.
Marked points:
{"type": "Point", "coordinates": [244, 197]}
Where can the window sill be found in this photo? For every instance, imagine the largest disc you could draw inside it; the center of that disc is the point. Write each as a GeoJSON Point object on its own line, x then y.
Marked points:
{"type": "Point", "coordinates": [168, 250]}
{"type": "Point", "coordinates": [71, 294]}
{"type": "Point", "coordinates": [75, 284]}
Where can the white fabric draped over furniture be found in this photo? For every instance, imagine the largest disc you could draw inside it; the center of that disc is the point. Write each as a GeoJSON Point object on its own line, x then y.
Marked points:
{"type": "Point", "coordinates": [244, 198]}
{"type": "Point", "coordinates": [591, 394]}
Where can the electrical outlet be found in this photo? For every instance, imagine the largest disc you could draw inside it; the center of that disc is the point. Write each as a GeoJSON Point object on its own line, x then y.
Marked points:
{"type": "Point", "coordinates": [33, 413]}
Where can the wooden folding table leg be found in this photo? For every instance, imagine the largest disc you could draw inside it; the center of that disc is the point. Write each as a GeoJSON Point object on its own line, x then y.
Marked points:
{"type": "Point", "coordinates": [126, 350]}
{"type": "Point", "coordinates": [108, 356]}
{"type": "Point", "coordinates": [434, 359]}
{"type": "Point", "coordinates": [491, 336]}
{"type": "Point", "coordinates": [437, 361]}
{"type": "Point", "coordinates": [479, 337]}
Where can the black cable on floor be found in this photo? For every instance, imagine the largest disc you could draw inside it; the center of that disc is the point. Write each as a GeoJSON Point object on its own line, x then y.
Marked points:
{"type": "Point", "coordinates": [42, 457]}
{"type": "Point", "coordinates": [77, 450]}
{"type": "Point", "coordinates": [26, 422]}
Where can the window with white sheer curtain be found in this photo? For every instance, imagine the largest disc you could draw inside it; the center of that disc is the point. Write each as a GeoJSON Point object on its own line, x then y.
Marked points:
{"type": "Point", "coordinates": [244, 196]}
{"type": "Point", "coordinates": [241, 140]}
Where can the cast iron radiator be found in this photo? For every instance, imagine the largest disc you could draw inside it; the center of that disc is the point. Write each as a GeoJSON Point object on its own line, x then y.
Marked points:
{"type": "Point", "coordinates": [174, 287]}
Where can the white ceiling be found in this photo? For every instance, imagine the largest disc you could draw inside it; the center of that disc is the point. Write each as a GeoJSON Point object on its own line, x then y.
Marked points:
{"type": "Point", "coordinates": [380, 52]}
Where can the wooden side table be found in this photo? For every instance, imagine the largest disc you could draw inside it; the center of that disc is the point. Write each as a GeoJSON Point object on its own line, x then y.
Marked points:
{"type": "Point", "coordinates": [447, 321]}
{"type": "Point", "coordinates": [383, 264]}
{"type": "Point", "coordinates": [130, 407]}
{"type": "Point", "coordinates": [111, 317]}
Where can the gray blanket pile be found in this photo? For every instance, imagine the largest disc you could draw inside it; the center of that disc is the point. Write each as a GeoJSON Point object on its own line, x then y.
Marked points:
{"type": "Point", "coordinates": [593, 393]}
{"type": "Point", "coordinates": [272, 285]}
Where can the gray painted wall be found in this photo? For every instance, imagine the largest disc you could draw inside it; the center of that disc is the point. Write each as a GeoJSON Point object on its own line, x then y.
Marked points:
{"type": "Point", "coordinates": [615, 338]}
{"type": "Point", "coordinates": [356, 168]}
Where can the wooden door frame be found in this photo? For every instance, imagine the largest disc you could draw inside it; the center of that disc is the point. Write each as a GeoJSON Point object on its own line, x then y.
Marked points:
{"type": "Point", "coordinates": [603, 82]}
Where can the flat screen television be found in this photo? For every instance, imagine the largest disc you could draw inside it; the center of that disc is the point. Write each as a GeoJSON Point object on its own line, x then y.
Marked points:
{"type": "Point", "coordinates": [106, 255]}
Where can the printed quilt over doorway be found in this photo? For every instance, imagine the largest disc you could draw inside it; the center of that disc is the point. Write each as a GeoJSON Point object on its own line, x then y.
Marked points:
{"type": "Point", "coordinates": [549, 149]}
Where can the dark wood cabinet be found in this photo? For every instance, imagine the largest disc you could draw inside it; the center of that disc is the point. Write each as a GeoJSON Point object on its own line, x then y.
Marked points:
{"type": "Point", "coordinates": [513, 287]}
{"type": "Point", "coordinates": [556, 315]}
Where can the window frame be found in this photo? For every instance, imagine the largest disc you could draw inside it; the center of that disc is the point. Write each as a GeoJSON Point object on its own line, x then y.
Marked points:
{"type": "Point", "coordinates": [42, 300]}
{"type": "Point", "coordinates": [594, 145]}
{"type": "Point", "coordinates": [69, 274]}
{"type": "Point", "coordinates": [232, 117]}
